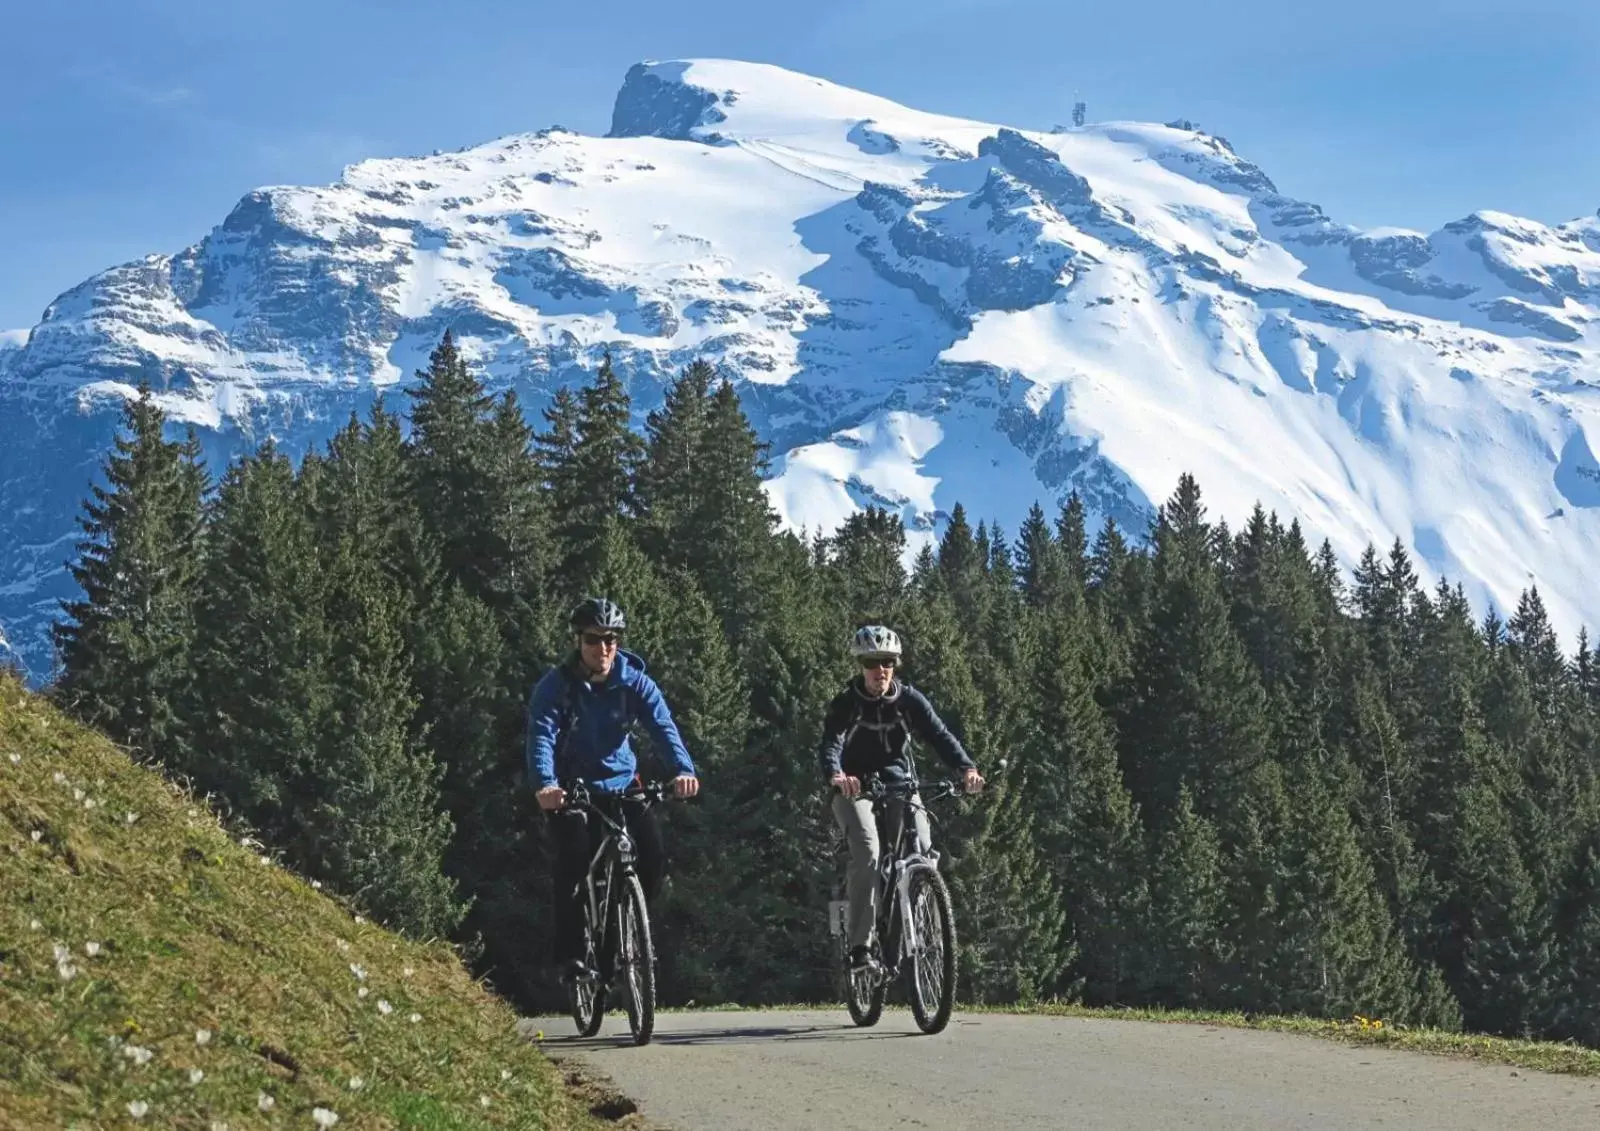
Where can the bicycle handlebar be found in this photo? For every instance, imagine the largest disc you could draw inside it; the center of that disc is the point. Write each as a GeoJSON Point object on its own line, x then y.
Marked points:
{"type": "Point", "coordinates": [579, 795]}
{"type": "Point", "coordinates": [876, 789]}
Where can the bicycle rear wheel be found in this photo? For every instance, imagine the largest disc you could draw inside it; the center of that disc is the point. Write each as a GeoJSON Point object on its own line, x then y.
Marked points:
{"type": "Point", "coordinates": [932, 972]}
{"type": "Point", "coordinates": [638, 958]}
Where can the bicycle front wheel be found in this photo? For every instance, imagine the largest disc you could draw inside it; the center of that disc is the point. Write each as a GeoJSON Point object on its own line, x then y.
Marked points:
{"type": "Point", "coordinates": [588, 995]}
{"type": "Point", "coordinates": [638, 958]}
{"type": "Point", "coordinates": [932, 972]}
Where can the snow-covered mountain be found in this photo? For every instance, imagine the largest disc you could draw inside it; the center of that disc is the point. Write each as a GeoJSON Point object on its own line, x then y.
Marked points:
{"type": "Point", "coordinates": [920, 309]}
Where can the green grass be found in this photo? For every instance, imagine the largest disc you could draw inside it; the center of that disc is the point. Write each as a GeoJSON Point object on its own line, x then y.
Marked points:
{"type": "Point", "coordinates": [1543, 1056]}
{"type": "Point", "coordinates": [154, 971]}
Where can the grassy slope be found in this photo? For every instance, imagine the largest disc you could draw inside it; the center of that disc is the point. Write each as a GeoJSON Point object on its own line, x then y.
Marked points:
{"type": "Point", "coordinates": [193, 933]}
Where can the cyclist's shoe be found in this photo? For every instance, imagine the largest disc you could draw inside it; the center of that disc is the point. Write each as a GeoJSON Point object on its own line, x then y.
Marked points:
{"type": "Point", "coordinates": [575, 970]}
{"type": "Point", "coordinates": [861, 959]}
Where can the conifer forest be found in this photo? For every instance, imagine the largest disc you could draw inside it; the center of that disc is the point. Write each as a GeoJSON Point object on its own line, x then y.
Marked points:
{"type": "Point", "coordinates": [1222, 772]}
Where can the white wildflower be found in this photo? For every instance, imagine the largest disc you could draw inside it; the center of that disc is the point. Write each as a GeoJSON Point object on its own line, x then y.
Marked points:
{"type": "Point", "coordinates": [359, 971]}
{"type": "Point", "coordinates": [130, 818]}
{"type": "Point", "coordinates": [384, 1007]}
{"type": "Point", "coordinates": [215, 1126]}
{"type": "Point", "coordinates": [35, 925]}
{"type": "Point", "coordinates": [341, 944]}
{"type": "Point", "coordinates": [322, 1117]}
{"type": "Point", "coordinates": [483, 1101]}
{"type": "Point", "coordinates": [89, 803]}
{"type": "Point", "coordinates": [196, 1075]}
{"type": "Point", "coordinates": [15, 758]}
{"type": "Point", "coordinates": [202, 1036]}
{"type": "Point", "coordinates": [363, 992]}
{"type": "Point", "coordinates": [505, 1074]}
{"type": "Point", "coordinates": [407, 971]}
{"type": "Point", "coordinates": [91, 948]}
{"type": "Point", "coordinates": [415, 1017]}
{"type": "Point", "coordinates": [359, 920]}
{"type": "Point", "coordinates": [357, 1083]}
{"type": "Point", "coordinates": [316, 885]}
{"type": "Point", "coordinates": [113, 1040]}
{"type": "Point", "coordinates": [194, 812]}
{"type": "Point", "coordinates": [59, 778]}
{"type": "Point", "coordinates": [137, 1108]}
{"type": "Point", "coordinates": [264, 1101]}
{"type": "Point", "coordinates": [38, 835]}
{"type": "Point", "coordinates": [62, 953]}
{"type": "Point", "coordinates": [266, 860]}
{"type": "Point", "coordinates": [67, 971]}
{"type": "Point", "coordinates": [138, 1054]}
{"type": "Point", "coordinates": [77, 794]}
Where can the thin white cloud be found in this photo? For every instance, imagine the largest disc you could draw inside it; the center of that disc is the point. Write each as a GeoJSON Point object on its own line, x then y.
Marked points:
{"type": "Point", "coordinates": [121, 88]}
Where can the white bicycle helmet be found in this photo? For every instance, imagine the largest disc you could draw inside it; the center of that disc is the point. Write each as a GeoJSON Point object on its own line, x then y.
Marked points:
{"type": "Point", "coordinates": [875, 640]}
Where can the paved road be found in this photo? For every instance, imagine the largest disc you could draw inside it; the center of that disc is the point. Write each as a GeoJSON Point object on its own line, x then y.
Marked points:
{"type": "Point", "coordinates": [807, 1070]}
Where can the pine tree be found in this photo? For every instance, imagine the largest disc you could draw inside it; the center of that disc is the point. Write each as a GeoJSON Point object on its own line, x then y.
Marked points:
{"type": "Point", "coordinates": [261, 641]}
{"type": "Point", "coordinates": [447, 454]}
{"type": "Point", "coordinates": [597, 484]}
{"type": "Point", "coordinates": [864, 557]}
{"type": "Point", "coordinates": [1533, 646]}
{"type": "Point", "coordinates": [732, 526]}
{"type": "Point", "coordinates": [1195, 714]}
{"type": "Point", "coordinates": [1184, 945]}
{"type": "Point", "coordinates": [1072, 536]}
{"type": "Point", "coordinates": [1338, 950]}
{"type": "Point", "coordinates": [671, 482]}
{"type": "Point", "coordinates": [377, 833]}
{"type": "Point", "coordinates": [125, 645]}
{"type": "Point", "coordinates": [1010, 919]}
{"type": "Point", "coordinates": [1089, 827]}
{"type": "Point", "coordinates": [1041, 567]}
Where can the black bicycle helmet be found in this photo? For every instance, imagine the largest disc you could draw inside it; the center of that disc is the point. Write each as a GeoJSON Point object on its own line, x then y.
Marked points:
{"type": "Point", "coordinates": [597, 612]}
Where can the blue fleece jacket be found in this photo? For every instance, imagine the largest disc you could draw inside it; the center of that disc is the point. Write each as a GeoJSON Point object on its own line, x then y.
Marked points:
{"type": "Point", "coordinates": [595, 746]}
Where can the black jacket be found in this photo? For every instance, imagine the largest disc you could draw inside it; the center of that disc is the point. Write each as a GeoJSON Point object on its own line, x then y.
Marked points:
{"type": "Point", "coordinates": [862, 735]}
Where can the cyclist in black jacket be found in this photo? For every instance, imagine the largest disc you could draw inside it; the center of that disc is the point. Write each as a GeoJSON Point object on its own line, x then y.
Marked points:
{"type": "Point", "coordinates": [867, 732]}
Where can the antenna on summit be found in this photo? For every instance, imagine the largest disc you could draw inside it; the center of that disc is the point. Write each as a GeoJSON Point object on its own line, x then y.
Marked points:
{"type": "Point", "coordinates": [1080, 110]}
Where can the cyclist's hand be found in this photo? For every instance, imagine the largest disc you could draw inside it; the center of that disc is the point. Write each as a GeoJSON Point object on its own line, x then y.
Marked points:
{"type": "Point", "coordinates": [846, 784]}
{"type": "Point", "coordinates": [551, 797]}
{"type": "Point", "coordinates": [685, 785]}
{"type": "Point", "coordinates": [972, 781]}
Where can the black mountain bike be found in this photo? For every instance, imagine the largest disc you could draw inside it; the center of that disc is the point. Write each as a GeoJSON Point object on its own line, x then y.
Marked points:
{"type": "Point", "coordinates": [916, 927]}
{"type": "Point", "coordinates": [616, 923]}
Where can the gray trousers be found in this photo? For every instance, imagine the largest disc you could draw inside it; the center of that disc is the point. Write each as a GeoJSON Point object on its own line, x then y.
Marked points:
{"type": "Point", "coordinates": [855, 820]}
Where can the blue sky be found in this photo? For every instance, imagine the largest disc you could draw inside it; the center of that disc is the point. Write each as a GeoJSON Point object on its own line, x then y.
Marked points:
{"type": "Point", "coordinates": [133, 126]}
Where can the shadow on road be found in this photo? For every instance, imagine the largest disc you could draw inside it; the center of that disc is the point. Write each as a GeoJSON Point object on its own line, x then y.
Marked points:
{"type": "Point", "coordinates": [744, 1036]}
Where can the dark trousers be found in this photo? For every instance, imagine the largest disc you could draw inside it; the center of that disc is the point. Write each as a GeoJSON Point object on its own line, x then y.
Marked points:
{"type": "Point", "coordinates": [576, 838]}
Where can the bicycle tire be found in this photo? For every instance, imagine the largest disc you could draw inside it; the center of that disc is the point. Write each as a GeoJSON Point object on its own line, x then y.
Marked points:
{"type": "Point", "coordinates": [928, 884]}
{"type": "Point", "coordinates": [863, 996]}
{"type": "Point", "coordinates": [587, 996]}
{"type": "Point", "coordinates": [636, 953]}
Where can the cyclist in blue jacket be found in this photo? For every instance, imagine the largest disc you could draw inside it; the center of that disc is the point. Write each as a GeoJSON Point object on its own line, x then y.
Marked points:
{"type": "Point", "coordinates": [579, 716]}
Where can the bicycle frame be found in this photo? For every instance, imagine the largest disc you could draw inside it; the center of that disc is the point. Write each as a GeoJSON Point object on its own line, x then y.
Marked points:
{"type": "Point", "coordinates": [898, 866]}
{"type": "Point", "coordinates": [613, 857]}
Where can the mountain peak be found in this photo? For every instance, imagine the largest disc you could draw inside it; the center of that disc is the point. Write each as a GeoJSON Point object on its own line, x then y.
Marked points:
{"type": "Point", "coordinates": [918, 309]}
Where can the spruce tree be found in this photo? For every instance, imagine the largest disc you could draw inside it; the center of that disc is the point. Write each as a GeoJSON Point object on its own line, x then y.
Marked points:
{"type": "Point", "coordinates": [1184, 946]}
{"type": "Point", "coordinates": [1195, 713]}
{"type": "Point", "coordinates": [125, 644]}
{"type": "Point", "coordinates": [597, 484]}
{"type": "Point", "coordinates": [671, 480]}
{"type": "Point", "coordinates": [1041, 567]}
{"type": "Point", "coordinates": [377, 832]}
{"type": "Point", "coordinates": [262, 643]}
{"type": "Point", "coordinates": [864, 557]}
{"type": "Point", "coordinates": [1089, 828]}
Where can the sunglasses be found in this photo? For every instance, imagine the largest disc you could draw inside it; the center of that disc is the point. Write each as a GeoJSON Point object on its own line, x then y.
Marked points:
{"type": "Point", "coordinates": [595, 639]}
{"type": "Point", "coordinates": [870, 662]}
